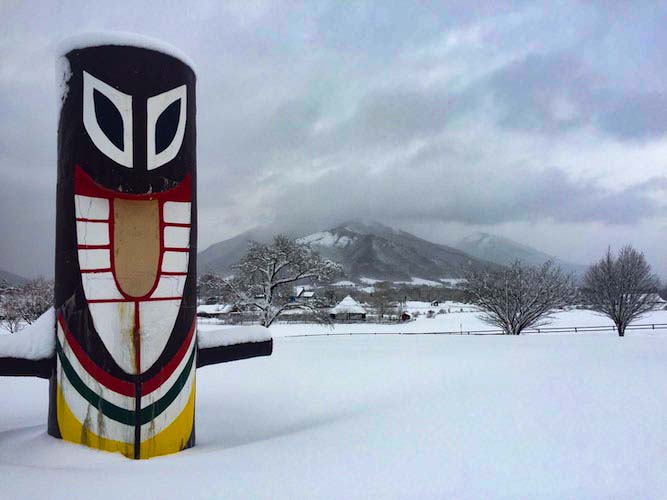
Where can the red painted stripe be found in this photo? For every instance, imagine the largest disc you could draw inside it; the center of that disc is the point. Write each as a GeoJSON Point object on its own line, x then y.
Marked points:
{"type": "Point", "coordinates": [115, 384]}
{"type": "Point", "coordinates": [176, 224]}
{"type": "Point", "coordinates": [137, 337]}
{"type": "Point", "coordinates": [84, 219]}
{"type": "Point", "coordinates": [174, 249]}
{"type": "Point", "coordinates": [161, 377]}
{"type": "Point", "coordinates": [152, 299]}
{"type": "Point", "coordinates": [85, 271]}
{"type": "Point", "coordinates": [94, 247]}
{"type": "Point", "coordinates": [85, 185]}
{"type": "Point", "coordinates": [173, 273]}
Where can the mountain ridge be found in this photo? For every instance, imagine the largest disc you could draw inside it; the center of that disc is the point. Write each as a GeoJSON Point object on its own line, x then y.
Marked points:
{"type": "Point", "coordinates": [504, 251]}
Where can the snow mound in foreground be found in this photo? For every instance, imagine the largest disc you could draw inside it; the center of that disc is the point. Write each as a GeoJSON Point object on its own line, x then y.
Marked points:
{"type": "Point", "coordinates": [37, 341]}
{"type": "Point", "coordinates": [232, 336]}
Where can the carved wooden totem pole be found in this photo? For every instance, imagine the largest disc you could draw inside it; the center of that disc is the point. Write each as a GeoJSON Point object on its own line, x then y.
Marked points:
{"type": "Point", "coordinates": [122, 376]}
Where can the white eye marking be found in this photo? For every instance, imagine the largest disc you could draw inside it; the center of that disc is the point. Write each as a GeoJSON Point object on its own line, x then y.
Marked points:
{"type": "Point", "coordinates": [157, 105]}
{"type": "Point", "coordinates": [123, 104]}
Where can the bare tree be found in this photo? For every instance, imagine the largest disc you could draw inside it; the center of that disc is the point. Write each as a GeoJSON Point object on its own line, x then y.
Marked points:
{"type": "Point", "coordinates": [210, 284]}
{"type": "Point", "coordinates": [519, 296]}
{"type": "Point", "coordinates": [266, 274]}
{"type": "Point", "coordinates": [620, 288]}
{"type": "Point", "coordinates": [383, 300]}
{"type": "Point", "coordinates": [24, 304]}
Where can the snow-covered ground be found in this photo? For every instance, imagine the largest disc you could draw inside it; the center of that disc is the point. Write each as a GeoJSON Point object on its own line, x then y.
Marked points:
{"type": "Point", "coordinates": [451, 322]}
{"type": "Point", "coordinates": [558, 416]}
{"type": "Point", "coordinates": [385, 417]}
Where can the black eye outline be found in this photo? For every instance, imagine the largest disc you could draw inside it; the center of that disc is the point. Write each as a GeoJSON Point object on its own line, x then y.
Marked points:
{"type": "Point", "coordinates": [162, 145]}
{"type": "Point", "coordinates": [103, 106]}
{"type": "Point", "coordinates": [108, 118]}
{"type": "Point", "coordinates": [166, 126]}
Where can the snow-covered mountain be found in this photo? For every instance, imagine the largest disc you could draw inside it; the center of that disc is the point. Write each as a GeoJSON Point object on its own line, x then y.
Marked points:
{"type": "Point", "coordinates": [365, 249]}
{"type": "Point", "coordinates": [11, 278]}
{"type": "Point", "coordinates": [373, 250]}
{"type": "Point", "coordinates": [504, 251]}
{"type": "Point", "coordinates": [221, 256]}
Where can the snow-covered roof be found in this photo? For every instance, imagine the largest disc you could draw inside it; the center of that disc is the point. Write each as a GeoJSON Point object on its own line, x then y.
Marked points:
{"type": "Point", "coordinates": [306, 295]}
{"type": "Point", "coordinates": [83, 40]}
{"type": "Point", "coordinates": [348, 306]}
{"type": "Point", "coordinates": [232, 336]}
{"type": "Point", "coordinates": [215, 308]}
{"type": "Point", "coordinates": [36, 341]}
{"type": "Point", "coordinates": [344, 283]}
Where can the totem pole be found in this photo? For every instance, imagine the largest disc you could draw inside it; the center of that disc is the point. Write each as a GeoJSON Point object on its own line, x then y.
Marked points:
{"type": "Point", "coordinates": [122, 376]}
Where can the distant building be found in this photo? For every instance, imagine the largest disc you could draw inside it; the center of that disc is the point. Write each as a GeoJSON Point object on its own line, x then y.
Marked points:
{"type": "Point", "coordinates": [219, 311]}
{"type": "Point", "coordinates": [348, 309]}
{"type": "Point", "coordinates": [305, 296]}
{"type": "Point", "coordinates": [658, 302]}
{"type": "Point", "coordinates": [344, 284]}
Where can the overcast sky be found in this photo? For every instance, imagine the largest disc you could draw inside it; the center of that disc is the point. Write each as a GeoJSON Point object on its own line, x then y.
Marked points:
{"type": "Point", "coordinates": [542, 122]}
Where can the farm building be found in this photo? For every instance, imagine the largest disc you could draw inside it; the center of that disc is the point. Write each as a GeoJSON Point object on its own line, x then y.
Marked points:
{"type": "Point", "coordinates": [219, 311]}
{"type": "Point", "coordinates": [348, 309]}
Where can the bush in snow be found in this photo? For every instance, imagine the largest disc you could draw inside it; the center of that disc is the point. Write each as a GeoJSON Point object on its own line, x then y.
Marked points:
{"type": "Point", "coordinates": [519, 296]}
{"type": "Point", "coordinates": [621, 288]}
{"type": "Point", "coordinates": [24, 304]}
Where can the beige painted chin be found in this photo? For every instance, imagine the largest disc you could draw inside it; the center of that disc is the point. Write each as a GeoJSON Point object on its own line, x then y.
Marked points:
{"type": "Point", "coordinates": [136, 236]}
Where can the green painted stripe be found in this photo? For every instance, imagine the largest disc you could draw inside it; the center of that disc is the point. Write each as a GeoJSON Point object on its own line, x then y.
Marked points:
{"type": "Point", "coordinates": [117, 413]}
{"type": "Point", "coordinates": [108, 409]}
{"type": "Point", "coordinates": [150, 412]}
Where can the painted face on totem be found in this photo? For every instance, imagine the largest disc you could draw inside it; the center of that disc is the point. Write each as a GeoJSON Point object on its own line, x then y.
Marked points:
{"type": "Point", "coordinates": [126, 247]}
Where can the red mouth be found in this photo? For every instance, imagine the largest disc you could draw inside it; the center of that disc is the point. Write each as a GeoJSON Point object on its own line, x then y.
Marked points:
{"type": "Point", "coordinates": [85, 185]}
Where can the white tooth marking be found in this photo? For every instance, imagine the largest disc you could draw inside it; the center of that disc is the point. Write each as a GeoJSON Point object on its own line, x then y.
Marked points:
{"type": "Point", "coordinates": [175, 262]}
{"type": "Point", "coordinates": [156, 324]}
{"type": "Point", "coordinates": [91, 208]}
{"type": "Point", "coordinates": [176, 237]}
{"type": "Point", "coordinates": [100, 286]}
{"type": "Point", "coordinates": [114, 322]}
{"type": "Point", "coordinates": [94, 259]}
{"type": "Point", "coordinates": [177, 212]}
{"type": "Point", "coordinates": [92, 233]}
{"type": "Point", "coordinates": [169, 286]}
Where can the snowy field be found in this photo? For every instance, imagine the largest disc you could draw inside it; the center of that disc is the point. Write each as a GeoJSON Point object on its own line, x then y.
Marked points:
{"type": "Point", "coordinates": [559, 416]}
{"type": "Point", "coordinates": [452, 322]}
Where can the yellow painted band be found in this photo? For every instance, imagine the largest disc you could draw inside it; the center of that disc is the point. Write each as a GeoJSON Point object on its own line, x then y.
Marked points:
{"type": "Point", "coordinates": [73, 431]}
{"type": "Point", "coordinates": [172, 439]}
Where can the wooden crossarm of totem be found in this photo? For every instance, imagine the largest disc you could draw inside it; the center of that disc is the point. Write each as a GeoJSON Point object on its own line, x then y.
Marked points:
{"type": "Point", "coordinates": [120, 347]}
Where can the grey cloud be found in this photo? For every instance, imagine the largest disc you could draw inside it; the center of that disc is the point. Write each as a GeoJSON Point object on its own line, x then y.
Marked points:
{"type": "Point", "coordinates": [311, 115]}
{"type": "Point", "coordinates": [447, 184]}
{"type": "Point", "coordinates": [636, 116]}
{"type": "Point", "coordinates": [543, 92]}
{"type": "Point", "coordinates": [555, 92]}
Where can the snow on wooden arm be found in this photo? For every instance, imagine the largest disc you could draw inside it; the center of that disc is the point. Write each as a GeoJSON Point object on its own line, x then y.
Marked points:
{"type": "Point", "coordinates": [232, 344]}
{"type": "Point", "coordinates": [30, 352]}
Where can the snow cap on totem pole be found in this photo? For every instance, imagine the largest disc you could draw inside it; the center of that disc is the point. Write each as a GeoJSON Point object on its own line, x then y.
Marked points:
{"type": "Point", "coordinates": [125, 276]}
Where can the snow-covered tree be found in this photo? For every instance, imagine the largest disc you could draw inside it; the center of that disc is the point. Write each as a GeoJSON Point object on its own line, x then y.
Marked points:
{"type": "Point", "coordinates": [621, 288]}
{"type": "Point", "coordinates": [519, 296]}
{"type": "Point", "coordinates": [24, 304]}
{"type": "Point", "coordinates": [210, 284]}
{"type": "Point", "coordinates": [266, 274]}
